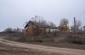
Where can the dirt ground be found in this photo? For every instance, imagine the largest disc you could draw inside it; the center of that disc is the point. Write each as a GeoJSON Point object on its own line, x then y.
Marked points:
{"type": "Point", "coordinates": [8, 47]}
{"type": "Point", "coordinates": [10, 50]}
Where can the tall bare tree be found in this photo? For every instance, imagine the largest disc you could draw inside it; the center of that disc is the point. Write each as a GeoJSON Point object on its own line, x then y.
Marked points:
{"type": "Point", "coordinates": [76, 26]}
{"type": "Point", "coordinates": [64, 25]}
{"type": "Point", "coordinates": [42, 22]}
{"type": "Point", "coordinates": [52, 24]}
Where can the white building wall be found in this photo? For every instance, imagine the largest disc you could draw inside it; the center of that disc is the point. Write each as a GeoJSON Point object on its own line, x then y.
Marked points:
{"type": "Point", "coordinates": [51, 30]}
{"type": "Point", "coordinates": [48, 29]}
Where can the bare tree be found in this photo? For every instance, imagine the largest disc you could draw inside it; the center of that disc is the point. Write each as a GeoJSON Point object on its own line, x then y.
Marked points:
{"type": "Point", "coordinates": [17, 30]}
{"type": "Point", "coordinates": [8, 30]}
{"type": "Point", "coordinates": [84, 28]}
{"type": "Point", "coordinates": [64, 25]}
{"type": "Point", "coordinates": [76, 26]}
{"type": "Point", "coordinates": [42, 22]}
{"type": "Point", "coordinates": [52, 24]}
{"type": "Point", "coordinates": [64, 22]}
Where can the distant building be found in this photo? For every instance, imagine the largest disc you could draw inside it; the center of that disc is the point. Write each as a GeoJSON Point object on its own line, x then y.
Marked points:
{"type": "Point", "coordinates": [33, 28]}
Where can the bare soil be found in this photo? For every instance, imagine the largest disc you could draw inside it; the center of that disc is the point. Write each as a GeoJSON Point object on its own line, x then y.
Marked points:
{"type": "Point", "coordinates": [14, 48]}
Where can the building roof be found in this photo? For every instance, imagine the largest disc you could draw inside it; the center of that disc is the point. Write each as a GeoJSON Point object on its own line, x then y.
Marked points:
{"type": "Point", "coordinates": [39, 25]}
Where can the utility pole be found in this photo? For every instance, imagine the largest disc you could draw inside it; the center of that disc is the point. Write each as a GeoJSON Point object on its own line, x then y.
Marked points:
{"type": "Point", "coordinates": [75, 27]}
{"type": "Point", "coordinates": [74, 24]}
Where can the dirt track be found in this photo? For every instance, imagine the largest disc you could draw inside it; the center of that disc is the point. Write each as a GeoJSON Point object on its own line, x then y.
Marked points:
{"type": "Point", "coordinates": [64, 51]}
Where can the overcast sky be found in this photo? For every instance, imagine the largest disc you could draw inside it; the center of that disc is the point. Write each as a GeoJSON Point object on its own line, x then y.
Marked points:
{"type": "Point", "coordinates": [14, 13]}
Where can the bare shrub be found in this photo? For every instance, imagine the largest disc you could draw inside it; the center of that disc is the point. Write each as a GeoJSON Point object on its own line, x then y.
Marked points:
{"type": "Point", "coordinates": [9, 30]}
{"type": "Point", "coordinates": [76, 39]}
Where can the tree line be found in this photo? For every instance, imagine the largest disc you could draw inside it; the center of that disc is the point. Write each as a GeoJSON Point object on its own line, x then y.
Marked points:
{"type": "Point", "coordinates": [63, 25]}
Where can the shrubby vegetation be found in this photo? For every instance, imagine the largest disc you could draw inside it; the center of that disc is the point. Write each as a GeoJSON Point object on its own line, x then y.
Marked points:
{"type": "Point", "coordinates": [66, 34]}
{"type": "Point", "coordinates": [10, 30]}
{"type": "Point", "coordinates": [58, 37]}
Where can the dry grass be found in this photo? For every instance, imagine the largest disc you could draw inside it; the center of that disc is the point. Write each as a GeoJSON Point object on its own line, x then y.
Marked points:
{"type": "Point", "coordinates": [66, 40]}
